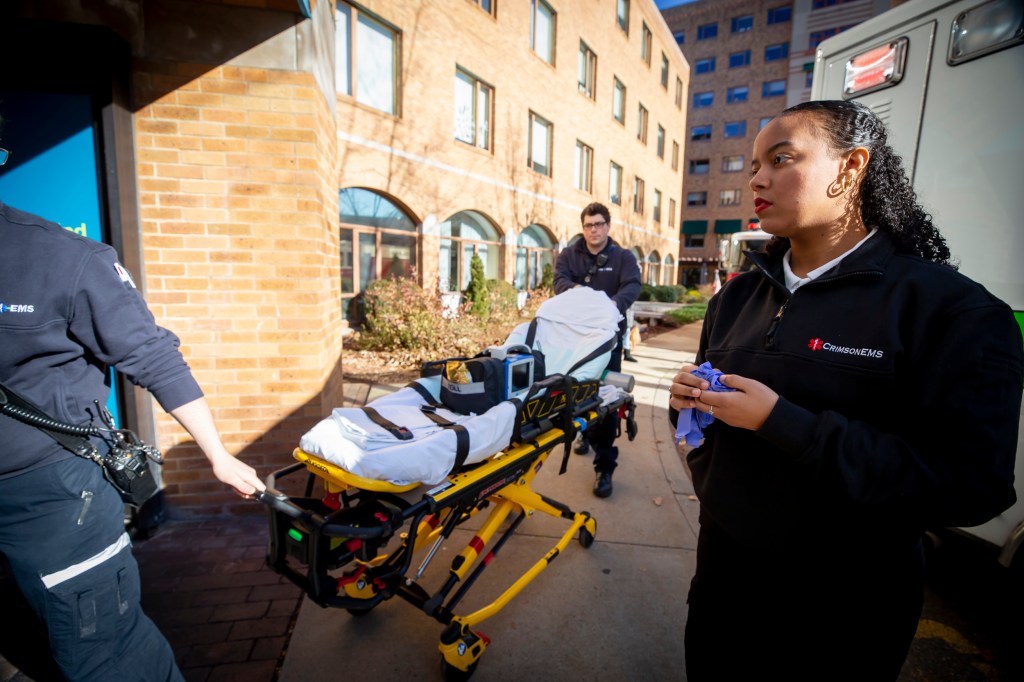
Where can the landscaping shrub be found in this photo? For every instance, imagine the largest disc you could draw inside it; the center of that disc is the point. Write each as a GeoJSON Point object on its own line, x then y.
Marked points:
{"type": "Point", "coordinates": [646, 293]}
{"type": "Point", "coordinates": [401, 315]}
{"type": "Point", "coordinates": [687, 314]}
{"type": "Point", "coordinates": [476, 291]}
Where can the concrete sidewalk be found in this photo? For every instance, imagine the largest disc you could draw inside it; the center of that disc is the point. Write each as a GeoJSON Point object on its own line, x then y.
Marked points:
{"type": "Point", "coordinates": [613, 611]}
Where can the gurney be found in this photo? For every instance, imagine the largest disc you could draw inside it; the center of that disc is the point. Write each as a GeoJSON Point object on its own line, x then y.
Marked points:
{"type": "Point", "coordinates": [352, 541]}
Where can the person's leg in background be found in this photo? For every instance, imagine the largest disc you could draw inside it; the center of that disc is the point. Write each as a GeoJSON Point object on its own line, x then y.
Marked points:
{"type": "Point", "coordinates": [627, 343]}
{"type": "Point", "coordinates": [602, 437]}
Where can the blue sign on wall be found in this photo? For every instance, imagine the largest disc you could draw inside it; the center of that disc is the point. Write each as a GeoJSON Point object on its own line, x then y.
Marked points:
{"type": "Point", "coordinates": [53, 171]}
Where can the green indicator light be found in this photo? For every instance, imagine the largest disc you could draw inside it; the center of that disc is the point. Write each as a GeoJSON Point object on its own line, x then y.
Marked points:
{"type": "Point", "coordinates": [295, 535]}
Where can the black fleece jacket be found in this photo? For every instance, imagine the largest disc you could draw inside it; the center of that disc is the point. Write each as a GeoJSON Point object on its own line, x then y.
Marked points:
{"type": "Point", "coordinates": [619, 277]}
{"type": "Point", "coordinates": [900, 391]}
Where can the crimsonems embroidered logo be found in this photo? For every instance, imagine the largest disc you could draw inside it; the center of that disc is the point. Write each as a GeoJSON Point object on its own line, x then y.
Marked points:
{"type": "Point", "coordinates": [16, 308]}
{"type": "Point", "coordinates": [817, 344]}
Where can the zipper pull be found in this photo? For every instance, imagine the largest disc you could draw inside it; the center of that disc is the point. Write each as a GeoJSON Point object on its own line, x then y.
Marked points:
{"type": "Point", "coordinates": [769, 340]}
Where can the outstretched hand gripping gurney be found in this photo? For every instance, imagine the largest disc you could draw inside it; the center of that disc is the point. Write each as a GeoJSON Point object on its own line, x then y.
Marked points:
{"type": "Point", "coordinates": [353, 547]}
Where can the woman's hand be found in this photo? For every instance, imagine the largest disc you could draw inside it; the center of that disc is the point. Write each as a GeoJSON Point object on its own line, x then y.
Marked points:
{"type": "Point", "coordinates": [746, 408]}
{"type": "Point", "coordinates": [686, 387]}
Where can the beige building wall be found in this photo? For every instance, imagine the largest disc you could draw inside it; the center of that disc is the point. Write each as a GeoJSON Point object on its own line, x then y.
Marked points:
{"type": "Point", "coordinates": [415, 159]}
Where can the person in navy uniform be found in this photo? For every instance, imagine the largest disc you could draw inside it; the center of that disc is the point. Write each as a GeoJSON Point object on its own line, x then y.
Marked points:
{"type": "Point", "coordinates": [70, 311]}
{"type": "Point", "coordinates": [596, 261]}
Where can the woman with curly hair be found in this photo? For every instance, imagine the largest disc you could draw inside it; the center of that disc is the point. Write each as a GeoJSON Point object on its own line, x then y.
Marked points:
{"type": "Point", "coordinates": [875, 392]}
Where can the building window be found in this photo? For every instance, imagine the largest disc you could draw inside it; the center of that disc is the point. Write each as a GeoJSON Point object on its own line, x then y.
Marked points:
{"type": "Point", "coordinates": [808, 79]}
{"type": "Point", "coordinates": [735, 129]}
{"type": "Point", "coordinates": [587, 70]}
{"type": "Point", "coordinates": [693, 241]}
{"type": "Point", "coordinates": [775, 88]}
{"type": "Point", "coordinates": [679, 93]}
{"type": "Point", "coordinates": [473, 100]}
{"type": "Point", "coordinates": [729, 197]}
{"type": "Point", "coordinates": [583, 169]}
{"type": "Point", "coordinates": [641, 124]}
{"type": "Point", "coordinates": [638, 195]}
{"type": "Point", "coordinates": [653, 268]}
{"type": "Point", "coordinates": [818, 36]}
{"type": "Point", "coordinates": [615, 184]}
{"type": "Point", "coordinates": [540, 145]}
{"type": "Point", "coordinates": [664, 70]}
{"type": "Point", "coordinates": [675, 155]}
{"type": "Point", "coordinates": [700, 167]}
{"type": "Point", "coordinates": [739, 59]}
{"type": "Point", "coordinates": [704, 65]}
{"type": "Point", "coordinates": [820, 4]}
{"type": "Point", "coordinates": [671, 212]}
{"type": "Point", "coordinates": [656, 211]}
{"type": "Point", "coordinates": [707, 31]}
{"type": "Point", "coordinates": [680, 37]}
{"type": "Point", "coordinates": [661, 142]}
{"type": "Point", "coordinates": [377, 240]}
{"type": "Point", "coordinates": [645, 45]}
{"type": "Point", "coordinates": [464, 235]}
{"type": "Point", "coordinates": [366, 59]}
{"type": "Point", "coordinates": [535, 251]}
{"type": "Point", "coordinates": [703, 99]}
{"type": "Point", "coordinates": [742, 24]}
{"type": "Point", "coordinates": [622, 15]}
{"type": "Point", "coordinates": [542, 30]}
{"type": "Point", "coordinates": [740, 93]}
{"type": "Point", "coordinates": [619, 102]}
{"type": "Point", "coordinates": [732, 164]}
{"type": "Point", "coordinates": [486, 5]}
{"type": "Point", "coordinates": [697, 198]}
{"type": "Point", "coordinates": [774, 53]}
{"type": "Point", "coordinates": [779, 15]}
{"type": "Point", "coordinates": [698, 133]}
{"type": "Point", "coordinates": [763, 122]}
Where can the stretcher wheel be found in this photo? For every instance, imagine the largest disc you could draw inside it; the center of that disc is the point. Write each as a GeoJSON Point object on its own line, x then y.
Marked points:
{"type": "Point", "coordinates": [587, 532]}
{"type": "Point", "coordinates": [359, 613]}
{"type": "Point", "coordinates": [452, 674]}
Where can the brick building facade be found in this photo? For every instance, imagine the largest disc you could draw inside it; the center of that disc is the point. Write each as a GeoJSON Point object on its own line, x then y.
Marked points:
{"type": "Point", "coordinates": [237, 146]}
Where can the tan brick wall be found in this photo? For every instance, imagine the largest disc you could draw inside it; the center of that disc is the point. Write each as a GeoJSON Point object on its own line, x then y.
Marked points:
{"type": "Point", "coordinates": [438, 176]}
{"type": "Point", "coordinates": [237, 198]}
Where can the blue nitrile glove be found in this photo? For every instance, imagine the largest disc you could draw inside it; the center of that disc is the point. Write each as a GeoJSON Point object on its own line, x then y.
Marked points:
{"type": "Point", "coordinates": [692, 422]}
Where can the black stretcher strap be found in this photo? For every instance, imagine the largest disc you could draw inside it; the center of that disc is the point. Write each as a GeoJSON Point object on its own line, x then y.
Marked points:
{"type": "Point", "coordinates": [424, 393]}
{"type": "Point", "coordinates": [461, 435]}
{"type": "Point", "coordinates": [603, 348]}
{"type": "Point", "coordinates": [399, 432]}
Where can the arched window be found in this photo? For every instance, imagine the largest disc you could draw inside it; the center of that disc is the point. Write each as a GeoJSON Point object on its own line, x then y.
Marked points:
{"type": "Point", "coordinates": [668, 269]}
{"type": "Point", "coordinates": [653, 268]}
{"type": "Point", "coordinates": [378, 239]}
{"type": "Point", "coordinates": [534, 249]}
{"type": "Point", "coordinates": [462, 235]}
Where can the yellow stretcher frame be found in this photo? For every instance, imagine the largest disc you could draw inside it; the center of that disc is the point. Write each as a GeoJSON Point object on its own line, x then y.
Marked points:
{"type": "Point", "coordinates": [304, 530]}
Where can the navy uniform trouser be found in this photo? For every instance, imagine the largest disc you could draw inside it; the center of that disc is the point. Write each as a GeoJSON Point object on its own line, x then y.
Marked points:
{"type": "Point", "coordinates": [62, 531]}
{"type": "Point", "coordinates": [601, 436]}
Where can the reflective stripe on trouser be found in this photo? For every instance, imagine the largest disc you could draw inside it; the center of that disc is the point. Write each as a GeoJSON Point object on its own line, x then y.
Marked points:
{"type": "Point", "coordinates": [62, 526]}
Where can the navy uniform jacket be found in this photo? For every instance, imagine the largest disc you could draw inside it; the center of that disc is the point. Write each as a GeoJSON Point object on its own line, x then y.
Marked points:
{"type": "Point", "coordinates": [68, 311]}
{"type": "Point", "coordinates": [619, 277]}
{"type": "Point", "coordinates": [900, 391]}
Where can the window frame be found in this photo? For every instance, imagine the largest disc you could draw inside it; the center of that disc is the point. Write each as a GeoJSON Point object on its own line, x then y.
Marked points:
{"type": "Point", "coordinates": [701, 200]}
{"type": "Point", "coordinates": [781, 48]}
{"type": "Point", "coordinates": [731, 94]}
{"type": "Point", "coordinates": [641, 123]}
{"type": "Point", "coordinates": [700, 97]}
{"type": "Point", "coordinates": [656, 206]}
{"type": "Point", "coordinates": [696, 165]}
{"type": "Point", "coordinates": [639, 189]}
{"type": "Point", "coordinates": [614, 173]}
{"type": "Point", "coordinates": [698, 133]}
{"type": "Point", "coordinates": [587, 67]}
{"type": "Point", "coordinates": [617, 87]}
{"type": "Point", "coordinates": [583, 167]}
{"type": "Point", "coordinates": [671, 212]}
{"type": "Point", "coordinates": [730, 197]}
{"type": "Point", "coordinates": [742, 24]}
{"type": "Point", "coordinates": [706, 65]}
{"type": "Point", "coordinates": [741, 125]}
{"type": "Point", "coordinates": [622, 19]}
{"type": "Point", "coordinates": [744, 54]}
{"type": "Point", "coordinates": [707, 31]}
{"type": "Point", "coordinates": [660, 145]}
{"type": "Point", "coordinates": [679, 93]}
{"type": "Point", "coordinates": [478, 85]}
{"type": "Point", "coordinates": [535, 7]}
{"type": "Point", "coordinates": [675, 155]}
{"type": "Point", "coordinates": [780, 15]}
{"type": "Point", "coordinates": [768, 91]}
{"type": "Point", "coordinates": [355, 15]}
{"type": "Point", "coordinates": [664, 71]}
{"type": "Point", "coordinates": [733, 163]}
{"type": "Point", "coordinates": [646, 44]}
{"type": "Point", "coordinates": [534, 117]}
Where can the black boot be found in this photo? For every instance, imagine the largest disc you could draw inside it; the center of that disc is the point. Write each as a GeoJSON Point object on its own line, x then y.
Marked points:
{"type": "Point", "coordinates": [628, 357]}
{"type": "Point", "coordinates": [603, 484]}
